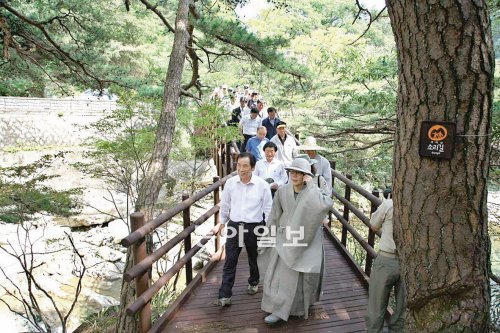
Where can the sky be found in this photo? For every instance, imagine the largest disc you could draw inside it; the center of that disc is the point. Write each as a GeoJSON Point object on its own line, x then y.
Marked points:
{"type": "Point", "coordinates": [255, 6]}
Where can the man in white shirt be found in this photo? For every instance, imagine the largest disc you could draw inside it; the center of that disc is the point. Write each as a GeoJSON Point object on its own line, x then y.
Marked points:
{"type": "Point", "coordinates": [385, 274]}
{"type": "Point", "coordinates": [271, 169]}
{"type": "Point", "coordinates": [249, 125]}
{"type": "Point", "coordinates": [245, 205]}
{"type": "Point", "coordinates": [322, 165]}
{"type": "Point", "coordinates": [260, 106]}
{"type": "Point", "coordinates": [286, 144]}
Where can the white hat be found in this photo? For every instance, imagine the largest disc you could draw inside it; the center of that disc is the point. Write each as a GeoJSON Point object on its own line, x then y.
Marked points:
{"type": "Point", "coordinates": [300, 165]}
{"type": "Point", "coordinates": [310, 144]}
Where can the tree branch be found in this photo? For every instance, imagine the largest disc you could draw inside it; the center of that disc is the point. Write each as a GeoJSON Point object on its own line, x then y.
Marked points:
{"type": "Point", "coordinates": [81, 274]}
{"type": "Point", "coordinates": [195, 65]}
{"type": "Point", "coordinates": [365, 147]}
{"type": "Point", "coordinates": [361, 9]}
{"type": "Point", "coordinates": [64, 54]}
{"type": "Point", "coordinates": [159, 14]}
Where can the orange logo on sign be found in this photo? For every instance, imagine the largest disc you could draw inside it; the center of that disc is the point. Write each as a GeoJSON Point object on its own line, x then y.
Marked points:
{"type": "Point", "coordinates": [437, 133]}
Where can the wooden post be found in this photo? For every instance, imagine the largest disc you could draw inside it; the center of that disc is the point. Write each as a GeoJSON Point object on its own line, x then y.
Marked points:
{"type": "Point", "coordinates": [371, 238]}
{"type": "Point", "coordinates": [347, 196]}
{"type": "Point", "coordinates": [216, 215]}
{"type": "Point", "coordinates": [216, 156]}
{"type": "Point", "coordinates": [222, 148]}
{"type": "Point", "coordinates": [333, 165]}
{"type": "Point", "coordinates": [139, 252]}
{"type": "Point", "coordinates": [330, 217]}
{"type": "Point", "coordinates": [235, 161]}
{"type": "Point", "coordinates": [220, 171]}
{"type": "Point", "coordinates": [186, 217]}
{"type": "Point", "coordinates": [228, 159]}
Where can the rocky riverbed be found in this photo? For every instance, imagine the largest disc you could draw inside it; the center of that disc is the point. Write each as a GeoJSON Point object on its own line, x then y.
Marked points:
{"type": "Point", "coordinates": [95, 231]}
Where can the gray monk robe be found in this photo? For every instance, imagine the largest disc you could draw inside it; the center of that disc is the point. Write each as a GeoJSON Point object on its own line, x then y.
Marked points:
{"type": "Point", "coordinates": [293, 273]}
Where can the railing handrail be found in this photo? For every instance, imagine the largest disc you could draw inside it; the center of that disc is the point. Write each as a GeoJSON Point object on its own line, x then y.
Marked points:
{"type": "Point", "coordinates": [144, 262]}
{"type": "Point", "coordinates": [147, 262]}
{"type": "Point", "coordinates": [224, 154]}
{"type": "Point", "coordinates": [373, 199]}
{"type": "Point", "coordinates": [362, 217]}
{"type": "Point", "coordinates": [146, 297]}
{"type": "Point", "coordinates": [344, 219]}
{"type": "Point", "coordinates": [164, 217]}
{"type": "Point", "coordinates": [369, 249]}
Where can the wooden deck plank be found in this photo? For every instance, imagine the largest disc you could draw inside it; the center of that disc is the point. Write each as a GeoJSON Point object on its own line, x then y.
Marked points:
{"type": "Point", "coordinates": [341, 309]}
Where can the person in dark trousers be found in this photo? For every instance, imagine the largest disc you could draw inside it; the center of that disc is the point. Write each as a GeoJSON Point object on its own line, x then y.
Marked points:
{"type": "Point", "coordinates": [270, 122]}
{"type": "Point", "coordinates": [245, 205]}
{"type": "Point", "coordinates": [385, 274]}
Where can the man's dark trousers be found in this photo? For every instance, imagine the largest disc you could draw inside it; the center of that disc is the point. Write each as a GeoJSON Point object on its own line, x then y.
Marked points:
{"type": "Point", "coordinates": [244, 144]}
{"type": "Point", "coordinates": [233, 251]}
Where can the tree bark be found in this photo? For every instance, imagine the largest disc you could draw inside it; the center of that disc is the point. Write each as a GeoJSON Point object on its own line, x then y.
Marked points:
{"type": "Point", "coordinates": [156, 173]}
{"type": "Point", "coordinates": [446, 66]}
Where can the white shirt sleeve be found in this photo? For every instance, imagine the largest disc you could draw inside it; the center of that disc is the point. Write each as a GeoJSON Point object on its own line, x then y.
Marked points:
{"type": "Point", "coordinates": [258, 171]}
{"type": "Point", "coordinates": [378, 217]}
{"type": "Point", "coordinates": [327, 174]}
{"type": "Point", "coordinates": [225, 203]}
{"type": "Point", "coordinates": [283, 177]}
{"type": "Point", "coordinates": [267, 203]}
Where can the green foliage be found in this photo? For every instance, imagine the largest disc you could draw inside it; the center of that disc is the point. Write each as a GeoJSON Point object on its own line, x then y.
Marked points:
{"type": "Point", "coordinates": [103, 321]}
{"type": "Point", "coordinates": [203, 125]}
{"type": "Point", "coordinates": [240, 39]}
{"type": "Point", "coordinates": [95, 41]}
{"type": "Point", "coordinates": [122, 148]}
{"type": "Point", "coordinates": [349, 103]}
{"type": "Point", "coordinates": [162, 300]}
{"type": "Point", "coordinates": [23, 192]}
{"type": "Point", "coordinates": [198, 127]}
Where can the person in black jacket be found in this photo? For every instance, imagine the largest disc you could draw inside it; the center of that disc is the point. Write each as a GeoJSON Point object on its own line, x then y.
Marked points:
{"type": "Point", "coordinates": [252, 103]}
{"type": "Point", "coordinates": [270, 122]}
{"type": "Point", "coordinates": [238, 112]}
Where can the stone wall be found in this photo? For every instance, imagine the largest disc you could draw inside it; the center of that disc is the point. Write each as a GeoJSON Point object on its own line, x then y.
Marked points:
{"type": "Point", "coordinates": [48, 121]}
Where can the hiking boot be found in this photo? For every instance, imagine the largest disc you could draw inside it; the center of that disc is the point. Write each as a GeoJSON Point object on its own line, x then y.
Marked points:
{"type": "Point", "coordinates": [223, 301]}
{"type": "Point", "coordinates": [272, 319]}
{"type": "Point", "coordinates": [252, 290]}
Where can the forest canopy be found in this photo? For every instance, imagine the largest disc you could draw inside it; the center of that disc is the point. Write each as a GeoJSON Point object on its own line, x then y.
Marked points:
{"type": "Point", "coordinates": [324, 65]}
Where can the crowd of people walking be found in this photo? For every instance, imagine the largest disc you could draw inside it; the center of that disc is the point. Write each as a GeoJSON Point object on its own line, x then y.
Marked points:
{"type": "Point", "coordinates": [275, 208]}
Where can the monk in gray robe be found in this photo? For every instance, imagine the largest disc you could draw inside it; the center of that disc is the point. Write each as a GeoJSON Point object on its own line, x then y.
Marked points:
{"type": "Point", "coordinates": [294, 266]}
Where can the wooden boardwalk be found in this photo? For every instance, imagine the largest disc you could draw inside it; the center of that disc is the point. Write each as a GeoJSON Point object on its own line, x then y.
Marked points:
{"type": "Point", "coordinates": [341, 309]}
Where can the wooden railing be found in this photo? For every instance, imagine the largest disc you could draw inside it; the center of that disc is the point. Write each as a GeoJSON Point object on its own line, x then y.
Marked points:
{"type": "Point", "coordinates": [347, 227]}
{"type": "Point", "coordinates": [224, 157]}
{"type": "Point", "coordinates": [225, 161]}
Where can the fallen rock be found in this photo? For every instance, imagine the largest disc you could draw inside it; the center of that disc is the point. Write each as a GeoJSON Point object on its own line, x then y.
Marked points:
{"type": "Point", "coordinates": [118, 230]}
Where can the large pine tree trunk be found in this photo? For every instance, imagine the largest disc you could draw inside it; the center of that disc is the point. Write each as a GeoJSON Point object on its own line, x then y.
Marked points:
{"type": "Point", "coordinates": [156, 173]}
{"type": "Point", "coordinates": [446, 66]}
